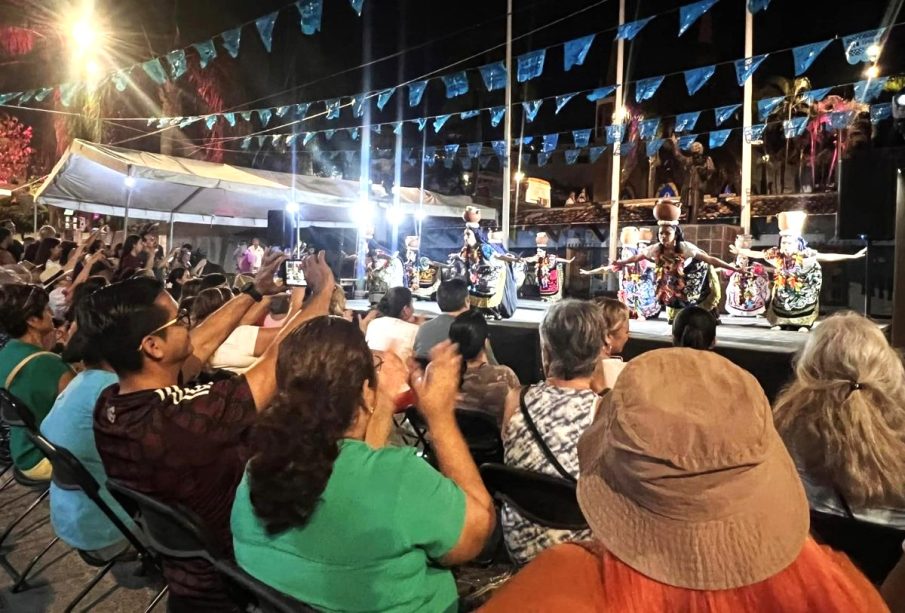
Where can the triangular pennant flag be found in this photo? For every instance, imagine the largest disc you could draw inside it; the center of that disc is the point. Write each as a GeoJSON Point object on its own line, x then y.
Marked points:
{"type": "Point", "coordinates": [290, 139]}
{"type": "Point", "coordinates": [744, 68]}
{"type": "Point", "coordinates": [869, 90]}
{"type": "Point", "coordinates": [384, 97]}
{"type": "Point", "coordinates": [600, 93]}
{"type": "Point", "coordinates": [469, 114]}
{"type": "Point", "coordinates": [397, 128]}
{"type": "Point", "coordinates": [499, 147]}
{"type": "Point", "coordinates": [755, 133]}
{"type": "Point", "coordinates": [879, 112]}
{"type": "Point", "coordinates": [349, 156]}
{"type": "Point", "coordinates": [531, 108]}
{"type": "Point", "coordinates": [154, 69]}
{"type": "Point", "coordinates": [376, 128]}
{"type": "Point", "coordinates": [206, 52]}
{"type": "Point", "coordinates": [496, 115]}
{"type": "Point", "coordinates": [723, 113]}
{"type": "Point", "coordinates": [686, 141]}
{"type": "Point", "coordinates": [561, 101]}
{"type": "Point", "coordinates": [530, 65]}
{"type": "Point", "coordinates": [246, 142]}
{"type": "Point", "coordinates": [805, 55]}
{"type": "Point", "coordinates": [308, 138]}
{"type": "Point", "coordinates": [474, 149]}
{"type": "Point", "coordinates": [310, 13]}
{"type": "Point", "coordinates": [231, 40]}
{"type": "Point", "coordinates": [230, 119]}
{"type": "Point", "coordinates": [6, 98]}
{"type": "Point", "coordinates": [626, 148]}
{"type": "Point", "coordinates": [416, 91]}
{"type": "Point", "coordinates": [281, 111]}
{"type": "Point", "coordinates": [261, 140]}
{"type": "Point", "coordinates": [328, 134]}
{"type": "Point", "coordinates": [628, 31]}
{"type": "Point", "coordinates": [358, 104]}
{"type": "Point", "coordinates": [690, 13]}
{"type": "Point", "coordinates": [858, 46]}
{"type": "Point", "coordinates": [718, 138]}
{"type": "Point", "coordinates": [815, 95]}
{"type": "Point", "coordinates": [456, 84]}
{"type": "Point", "coordinates": [485, 160]}
{"type": "Point", "coordinates": [653, 146]}
{"type": "Point", "coordinates": [756, 6]}
{"type": "Point", "coordinates": [421, 121]}
{"type": "Point", "coordinates": [647, 128]}
{"type": "Point", "coordinates": [440, 121]}
{"type": "Point", "coordinates": [356, 5]}
{"type": "Point", "coordinates": [301, 110]}
{"type": "Point", "coordinates": [265, 29]}
{"type": "Point", "coordinates": [451, 149]}
{"type": "Point", "coordinates": [176, 60]}
{"type": "Point", "coordinates": [550, 141]}
{"type": "Point", "coordinates": [766, 106]}
{"type": "Point", "coordinates": [527, 140]}
{"type": "Point", "coordinates": [26, 96]}
{"type": "Point", "coordinates": [430, 154]}
{"type": "Point", "coordinates": [572, 155]}
{"type": "Point", "coordinates": [543, 158]}
{"type": "Point", "coordinates": [697, 77]}
{"type": "Point", "coordinates": [794, 127]}
{"type": "Point", "coordinates": [494, 76]}
{"type": "Point", "coordinates": [614, 133]}
{"type": "Point", "coordinates": [210, 121]}
{"type": "Point", "coordinates": [332, 108]}
{"type": "Point", "coordinates": [840, 120]}
{"type": "Point", "coordinates": [581, 138]}
{"type": "Point", "coordinates": [120, 80]}
{"type": "Point", "coordinates": [264, 116]}
{"type": "Point", "coordinates": [246, 115]}
{"type": "Point", "coordinates": [687, 121]}
{"type": "Point", "coordinates": [449, 162]}
{"type": "Point", "coordinates": [42, 94]}
{"type": "Point", "coordinates": [594, 153]}
{"type": "Point", "coordinates": [353, 133]}
{"type": "Point", "coordinates": [276, 139]}
{"type": "Point", "coordinates": [575, 51]}
{"type": "Point", "coordinates": [646, 88]}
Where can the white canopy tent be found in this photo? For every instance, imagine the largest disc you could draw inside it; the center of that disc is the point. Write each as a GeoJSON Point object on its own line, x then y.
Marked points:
{"type": "Point", "coordinates": [93, 178]}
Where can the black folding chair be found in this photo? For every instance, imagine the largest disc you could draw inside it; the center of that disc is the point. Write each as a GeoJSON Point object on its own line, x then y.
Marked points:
{"type": "Point", "coordinates": [482, 434]}
{"type": "Point", "coordinates": [542, 499]}
{"type": "Point", "coordinates": [15, 414]}
{"type": "Point", "coordinates": [176, 532]}
{"type": "Point", "coordinates": [71, 475]}
{"type": "Point", "coordinates": [875, 549]}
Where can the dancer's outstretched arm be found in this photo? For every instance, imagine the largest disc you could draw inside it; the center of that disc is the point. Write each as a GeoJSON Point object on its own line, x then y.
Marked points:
{"type": "Point", "coordinates": [750, 253]}
{"type": "Point", "coordinates": [840, 257]}
{"type": "Point", "coordinates": [715, 261]}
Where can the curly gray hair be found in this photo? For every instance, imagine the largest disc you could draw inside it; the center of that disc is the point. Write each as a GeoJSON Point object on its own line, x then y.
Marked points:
{"type": "Point", "coordinates": [572, 339]}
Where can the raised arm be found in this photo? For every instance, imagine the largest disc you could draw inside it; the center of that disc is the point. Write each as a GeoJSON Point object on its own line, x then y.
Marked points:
{"type": "Point", "coordinates": [595, 271]}
{"type": "Point", "coordinates": [749, 253]}
{"type": "Point", "coordinates": [714, 261]}
{"type": "Point", "coordinates": [840, 257]}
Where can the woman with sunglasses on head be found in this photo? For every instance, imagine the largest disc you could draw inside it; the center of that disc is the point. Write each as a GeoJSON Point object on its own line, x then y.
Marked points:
{"type": "Point", "coordinates": [27, 370]}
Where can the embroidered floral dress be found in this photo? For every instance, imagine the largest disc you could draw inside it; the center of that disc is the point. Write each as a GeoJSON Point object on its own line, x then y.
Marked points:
{"type": "Point", "coordinates": [748, 292]}
{"type": "Point", "coordinates": [796, 288]}
{"type": "Point", "coordinates": [637, 286]}
{"type": "Point", "coordinates": [549, 277]}
{"type": "Point", "coordinates": [682, 280]}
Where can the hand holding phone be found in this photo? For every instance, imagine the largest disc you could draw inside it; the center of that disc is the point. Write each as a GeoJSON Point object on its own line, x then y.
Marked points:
{"type": "Point", "coordinates": [293, 274]}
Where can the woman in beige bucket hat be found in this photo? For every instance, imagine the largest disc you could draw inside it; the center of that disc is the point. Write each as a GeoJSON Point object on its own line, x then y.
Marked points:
{"type": "Point", "coordinates": [694, 504]}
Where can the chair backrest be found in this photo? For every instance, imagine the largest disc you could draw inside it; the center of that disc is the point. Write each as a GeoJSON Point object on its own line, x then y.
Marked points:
{"type": "Point", "coordinates": [70, 474]}
{"type": "Point", "coordinates": [253, 594]}
{"type": "Point", "coordinates": [542, 499]}
{"type": "Point", "coordinates": [873, 548]}
{"type": "Point", "coordinates": [482, 434]}
{"type": "Point", "coordinates": [174, 532]}
{"type": "Point", "coordinates": [13, 412]}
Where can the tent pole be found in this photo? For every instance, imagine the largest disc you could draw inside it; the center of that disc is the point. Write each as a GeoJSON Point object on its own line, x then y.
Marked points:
{"type": "Point", "coordinates": [618, 117]}
{"type": "Point", "coordinates": [745, 186]}
{"type": "Point", "coordinates": [175, 210]}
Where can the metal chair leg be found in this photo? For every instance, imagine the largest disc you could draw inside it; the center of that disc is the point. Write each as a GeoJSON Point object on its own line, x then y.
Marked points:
{"type": "Point", "coordinates": [97, 577]}
{"type": "Point", "coordinates": [20, 584]}
{"type": "Point", "coordinates": [16, 522]}
{"type": "Point", "coordinates": [157, 599]}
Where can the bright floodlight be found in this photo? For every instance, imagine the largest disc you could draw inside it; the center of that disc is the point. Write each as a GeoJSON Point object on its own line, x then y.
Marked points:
{"type": "Point", "coordinates": [466, 177]}
{"type": "Point", "coordinates": [292, 207]}
{"type": "Point", "coordinates": [519, 176]}
{"type": "Point", "coordinates": [395, 215]}
{"type": "Point", "coordinates": [83, 33]}
{"type": "Point", "coordinates": [420, 215]}
{"type": "Point", "coordinates": [873, 52]}
{"type": "Point", "coordinates": [872, 72]}
{"type": "Point", "coordinates": [129, 182]}
{"type": "Point", "coordinates": [900, 99]}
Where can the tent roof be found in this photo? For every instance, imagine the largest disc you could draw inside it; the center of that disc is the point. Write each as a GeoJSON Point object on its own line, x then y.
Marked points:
{"type": "Point", "coordinates": [91, 178]}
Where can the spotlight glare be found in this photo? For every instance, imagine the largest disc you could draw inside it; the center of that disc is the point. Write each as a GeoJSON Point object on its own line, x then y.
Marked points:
{"type": "Point", "coordinates": [872, 72]}
{"type": "Point", "coordinates": [519, 176]}
{"type": "Point", "coordinates": [420, 215]}
{"type": "Point", "coordinates": [292, 207]}
{"type": "Point", "coordinates": [395, 215]}
{"type": "Point", "coordinates": [873, 52]}
{"type": "Point", "coordinates": [129, 182]}
{"type": "Point", "coordinates": [466, 177]}
{"type": "Point", "coordinates": [900, 99]}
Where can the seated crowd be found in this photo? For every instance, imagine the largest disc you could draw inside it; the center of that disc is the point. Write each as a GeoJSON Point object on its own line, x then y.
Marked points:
{"type": "Point", "coordinates": [273, 416]}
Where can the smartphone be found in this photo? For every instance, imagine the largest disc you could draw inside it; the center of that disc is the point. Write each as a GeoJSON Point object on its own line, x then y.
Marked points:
{"type": "Point", "coordinates": [292, 273]}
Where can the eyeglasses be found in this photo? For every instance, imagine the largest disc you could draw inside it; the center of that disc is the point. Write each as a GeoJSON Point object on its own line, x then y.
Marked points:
{"type": "Point", "coordinates": [181, 319]}
{"type": "Point", "coordinates": [378, 362]}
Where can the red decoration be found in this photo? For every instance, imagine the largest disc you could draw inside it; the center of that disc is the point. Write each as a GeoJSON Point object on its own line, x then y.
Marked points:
{"type": "Point", "coordinates": [15, 150]}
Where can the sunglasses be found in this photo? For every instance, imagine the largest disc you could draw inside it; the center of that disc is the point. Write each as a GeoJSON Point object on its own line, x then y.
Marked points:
{"type": "Point", "coordinates": [181, 319]}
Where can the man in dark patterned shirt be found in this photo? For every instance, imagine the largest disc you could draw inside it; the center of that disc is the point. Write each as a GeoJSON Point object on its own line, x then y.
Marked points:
{"type": "Point", "coordinates": [183, 445]}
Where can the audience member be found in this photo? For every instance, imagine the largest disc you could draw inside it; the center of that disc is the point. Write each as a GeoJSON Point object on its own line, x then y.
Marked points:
{"type": "Point", "coordinates": [394, 329]}
{"type": "Point", "coordinates": [616, 325]}
{"type": "Point", "coordinates": [130, 258]}
{"type": "Point", "coordinates": [7, 258]}
{"type": "Point", "coordinates": [66, 249]}
{"type": "Point", "coordinates": [330, 515]}
{"type": "Point", "coordinates": [183, 445]}
{"type": "Point", "coordinates": [30, 373]}
{"type": "Point", "coordinates": [278, 310]}
{"type": "Point", "coordinates": [31, 249]}
{"type": "Point", "coordinates": [452, 298]}
{"type": "Point", "coordinates": [485, 386]}
{"type": "Point", "coordinates": [15, 247]}
{"type": "Point", "coordinates": [694, 328]}
{"type": "Point", "coordinates": [49, 252]}
{"type": "Point", "coordinates": [176, 278]}
{"type": "Point", "coordinates": [214, 279]}
{"type": "Point", "coordinates": [694, 505]}
{"type": "Point", "coordinates": [190, 289]}
{"type": "Point", "coordinates": [843, 419]}
{"type": "Point", "coordinates": [558, 409]}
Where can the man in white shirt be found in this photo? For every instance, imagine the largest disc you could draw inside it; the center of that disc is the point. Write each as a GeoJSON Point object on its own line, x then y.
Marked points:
{"type": "Point", "coordinates": [257, 254]}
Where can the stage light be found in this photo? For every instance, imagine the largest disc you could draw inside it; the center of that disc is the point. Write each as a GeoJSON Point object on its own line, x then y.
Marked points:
{"type": "Point", "coordinates": [92, 71]}
{"type": "Point", "coordinates": [466, 177]}
{"type": "Point", "coordinates": [395, 215]}
{"type": "Point", "coordinates": [622, 116]}
{"type": "Point", "coordinates": [129, 182]}
{"type": "Point", "coordinates": [900, 99]}
{"type": "Point", "coordinates": [872, 72]}
{"type": "Point", "coordinates": [873, 52]}
{"type": "Point", "coordinates": [83, 34]}
{"type": "Point", "coordinates": [292, 207]}
{"type": "Point", "coordinates": [519, 176]}
{"type": "Point", "coordinates": [420, 215]}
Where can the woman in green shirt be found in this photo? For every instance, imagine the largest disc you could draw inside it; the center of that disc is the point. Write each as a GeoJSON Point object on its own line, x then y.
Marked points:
{"type": "Point", "coordinates": [329, 515]}
{"type": "Point", "coordinates": [30, 373]}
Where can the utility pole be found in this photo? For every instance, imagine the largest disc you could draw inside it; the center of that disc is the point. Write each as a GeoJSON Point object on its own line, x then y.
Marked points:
{"type": "Point", "coordinates": [507, 136]}
{"type": "Point", "coordinates": [746, 122]}
{"type": "Point", "coordinates": [617, 116]}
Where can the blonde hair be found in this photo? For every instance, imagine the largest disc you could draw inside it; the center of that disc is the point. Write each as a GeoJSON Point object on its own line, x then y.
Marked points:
{"type": "Point", "coordinates": [843, 416]}
{"type": "Point", "coordinates": [615, 313]}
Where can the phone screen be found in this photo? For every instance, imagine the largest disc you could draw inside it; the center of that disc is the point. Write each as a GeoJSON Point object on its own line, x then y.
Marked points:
{"type": "Point", "coordinates": [295, 276]}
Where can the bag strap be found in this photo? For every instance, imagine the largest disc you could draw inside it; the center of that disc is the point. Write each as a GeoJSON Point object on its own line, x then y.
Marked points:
{"type": "Point", "coordinates": [540, 440]}
{"type": "Point", "coordinates": [18, 367]}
